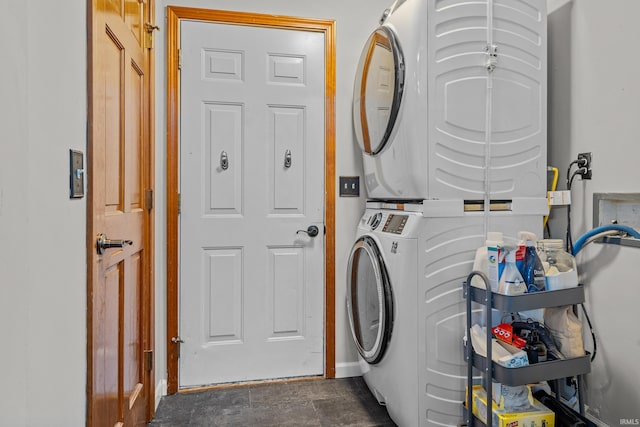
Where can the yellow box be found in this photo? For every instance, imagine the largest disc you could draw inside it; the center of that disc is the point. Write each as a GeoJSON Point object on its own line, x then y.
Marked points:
{"type": "Point", "coordinates": [538, 416]}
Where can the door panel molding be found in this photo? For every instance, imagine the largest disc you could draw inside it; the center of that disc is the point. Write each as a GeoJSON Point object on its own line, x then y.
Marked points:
{"type": "Point", "coordinates": [327, 27]}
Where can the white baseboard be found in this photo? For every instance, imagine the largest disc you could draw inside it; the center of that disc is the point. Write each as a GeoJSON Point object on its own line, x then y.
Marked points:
{"type": "Point", "coordinates": [161, 390]}
{"type": "Point", "coordinates": [343, 370]}
{"type": "Point", "coordinates": [349, 369]}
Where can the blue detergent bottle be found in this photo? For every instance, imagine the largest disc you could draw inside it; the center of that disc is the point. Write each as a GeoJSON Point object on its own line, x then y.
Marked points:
{"type": "Point", "coordinates": [533, 270]}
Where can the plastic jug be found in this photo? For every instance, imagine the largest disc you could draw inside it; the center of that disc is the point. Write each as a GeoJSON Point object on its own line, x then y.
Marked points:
{"type": "Point", "coordinates": [559, 265]}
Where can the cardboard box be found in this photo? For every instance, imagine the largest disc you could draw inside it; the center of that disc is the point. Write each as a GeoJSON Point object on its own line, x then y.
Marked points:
{"type": "Point", "coordinates": [537, 415]}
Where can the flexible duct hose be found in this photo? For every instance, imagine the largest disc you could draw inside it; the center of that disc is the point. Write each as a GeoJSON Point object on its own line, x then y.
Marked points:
{"type": "Point", "coordinates": [583, 239]}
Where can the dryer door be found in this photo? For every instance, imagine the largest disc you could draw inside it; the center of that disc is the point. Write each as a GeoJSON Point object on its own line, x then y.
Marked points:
{"type": "Point", "coordinates": [369, 300]}
{"type": "Point", "coordinates": [377, 90]}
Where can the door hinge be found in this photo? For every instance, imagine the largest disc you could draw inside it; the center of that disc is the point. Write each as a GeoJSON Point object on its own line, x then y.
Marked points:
{"type": "Point", "coordinates": [179, 59]}
{"type": "Point", "coordinates": [148, 34]}
{"type": "Point", "coordinates": [148, 360]}
{"type": "Point", "coordinates": [179, 203]}
{"type": "Point", "coordinates": [148, 199]}
{"type": "Point", "coordinates": [178, 341]}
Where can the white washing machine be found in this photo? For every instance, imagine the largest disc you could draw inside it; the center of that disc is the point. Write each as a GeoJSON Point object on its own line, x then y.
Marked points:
{"type": "Point", "coordinates": [450, 101]}
{"type": "Point", "coordinates": [381, 302]}
{"type": "Point", "coordinates": [406, 305]}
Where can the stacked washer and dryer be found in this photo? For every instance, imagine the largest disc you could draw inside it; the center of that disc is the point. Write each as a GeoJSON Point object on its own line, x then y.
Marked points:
{"type": "Point", "coordinates": [450, 113]}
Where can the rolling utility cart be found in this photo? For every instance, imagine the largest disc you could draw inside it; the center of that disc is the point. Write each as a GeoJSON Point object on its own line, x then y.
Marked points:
{"type": "Point", "coordinates": [549, 370]}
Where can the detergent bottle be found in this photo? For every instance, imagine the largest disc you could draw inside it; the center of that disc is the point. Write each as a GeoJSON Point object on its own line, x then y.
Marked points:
{"type": "Point", "coordinates": [532, 268]}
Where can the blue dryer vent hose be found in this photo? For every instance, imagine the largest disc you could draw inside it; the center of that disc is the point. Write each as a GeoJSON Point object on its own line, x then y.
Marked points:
{"type": "Point", "coordinates": [611, 227]}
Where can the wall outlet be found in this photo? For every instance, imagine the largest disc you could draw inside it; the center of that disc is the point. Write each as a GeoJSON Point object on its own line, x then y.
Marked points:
{"type": "Point", "coordinates": [584, 160]}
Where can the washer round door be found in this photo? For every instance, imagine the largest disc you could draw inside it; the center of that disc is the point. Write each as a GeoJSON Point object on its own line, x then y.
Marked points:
{"type": "Point", "coordinates": [369, 300]}
{"type": "Point", "coordinates": [377, 90]}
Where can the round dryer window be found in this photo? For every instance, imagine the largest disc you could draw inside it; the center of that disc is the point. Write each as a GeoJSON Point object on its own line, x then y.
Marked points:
{"type": "Point", "coordinates": [369, 300]}
{"type": "Point", "coordinates": [377, 90]}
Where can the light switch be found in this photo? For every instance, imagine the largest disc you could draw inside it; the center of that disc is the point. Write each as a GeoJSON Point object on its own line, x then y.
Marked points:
{"type": "Point", "coordinates": [76, 174]}
{"type": "Point", "coordinates": [349, 186]}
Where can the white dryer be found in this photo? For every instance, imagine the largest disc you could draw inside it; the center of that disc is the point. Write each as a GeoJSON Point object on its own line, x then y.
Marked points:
{"type": "Point", "coordinates": [406, 304]}
{"type": "Point", "coordinates": [450, 101]}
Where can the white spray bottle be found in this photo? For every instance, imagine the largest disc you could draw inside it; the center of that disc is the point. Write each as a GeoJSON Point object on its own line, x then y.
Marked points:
{"type": "Point", "coordinates": [511, 282]}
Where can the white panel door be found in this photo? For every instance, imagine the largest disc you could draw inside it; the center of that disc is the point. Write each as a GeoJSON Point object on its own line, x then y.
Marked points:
{"type": "Point", "coordinates": [251, 176]}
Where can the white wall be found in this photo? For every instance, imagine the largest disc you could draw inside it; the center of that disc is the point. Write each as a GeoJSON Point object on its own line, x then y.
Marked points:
{"type": "Point", "coordinates": [42, 231]}
{"type": "Point", "coordinates": [355, 20]}
{"type": "Point", "coordinates": [595, 107]}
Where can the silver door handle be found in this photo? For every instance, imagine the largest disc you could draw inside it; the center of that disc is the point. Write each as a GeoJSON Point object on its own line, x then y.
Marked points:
{"type": "Point", "coordinates": [102, 243]}
{"type": "Point", "coordinates": [224, 161]}
{"type": "Point", "coordinates": [312, 231]}
{"type": "Point", "coordinates": [287, 159]}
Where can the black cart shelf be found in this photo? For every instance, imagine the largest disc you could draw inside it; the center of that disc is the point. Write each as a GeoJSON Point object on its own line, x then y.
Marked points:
{"type": "Point", "coordinates": [550, 370]}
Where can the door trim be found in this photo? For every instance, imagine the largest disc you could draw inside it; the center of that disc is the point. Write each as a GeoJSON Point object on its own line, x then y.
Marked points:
{"type": "Point", "coordinates": [174, 15]}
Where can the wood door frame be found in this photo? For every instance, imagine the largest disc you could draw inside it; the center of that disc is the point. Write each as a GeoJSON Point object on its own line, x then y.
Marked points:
{"type": "Point", "coordinates": [327, 27]}
{"type": "Point", "coordinates": [148, 128]}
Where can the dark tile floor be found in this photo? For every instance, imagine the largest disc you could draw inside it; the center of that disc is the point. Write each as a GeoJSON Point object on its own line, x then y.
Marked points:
{"type": "Point", "coordinates": [334, 402]}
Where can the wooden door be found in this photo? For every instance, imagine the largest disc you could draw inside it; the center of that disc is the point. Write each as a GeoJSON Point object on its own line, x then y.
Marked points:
{"type": "Point", "coordinates": [251, 184]}
{"type": "Point", "coordinates": [120, 294]}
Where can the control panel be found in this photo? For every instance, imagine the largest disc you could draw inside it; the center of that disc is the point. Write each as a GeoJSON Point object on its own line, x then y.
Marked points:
{"type": "Point", "coordinates": [395, 223]}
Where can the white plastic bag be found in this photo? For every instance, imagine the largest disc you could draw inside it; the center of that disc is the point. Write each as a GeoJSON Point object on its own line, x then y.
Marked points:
{"type": "Point", "coordinates": [566, 330]}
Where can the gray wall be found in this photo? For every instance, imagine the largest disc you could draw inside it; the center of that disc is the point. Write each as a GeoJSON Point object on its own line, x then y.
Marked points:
{"type": "Point", "coordinates": [42, 232]}
{"type": "Point", "coordinates": [594, 106]}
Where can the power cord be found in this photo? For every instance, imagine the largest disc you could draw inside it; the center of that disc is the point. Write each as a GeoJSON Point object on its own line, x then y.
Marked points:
{"type": "Point", "coordinates": [593, 334]}
{"type": "Point", "coordinates": [582, 170]}
{"type": "Point", "coordinates": [569, 182]}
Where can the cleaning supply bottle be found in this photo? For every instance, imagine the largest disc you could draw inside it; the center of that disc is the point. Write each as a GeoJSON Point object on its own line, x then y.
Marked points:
{"type": "Point", "coordinates": [511, 282]}
{"type": "Point", "coordinates": [521, 250]}
{"type": "Point", "coordinates": [494, 257]}
{"type": "Point", "coordinates": [523, 236]}
{"type": "Point", "coordinates": [533, 270]}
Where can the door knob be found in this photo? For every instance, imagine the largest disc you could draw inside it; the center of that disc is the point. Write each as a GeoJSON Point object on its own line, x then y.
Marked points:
{"type": "Point", "coordinates": [102, 243]}
{"type": "Point", "coordinates": [312, 231]}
